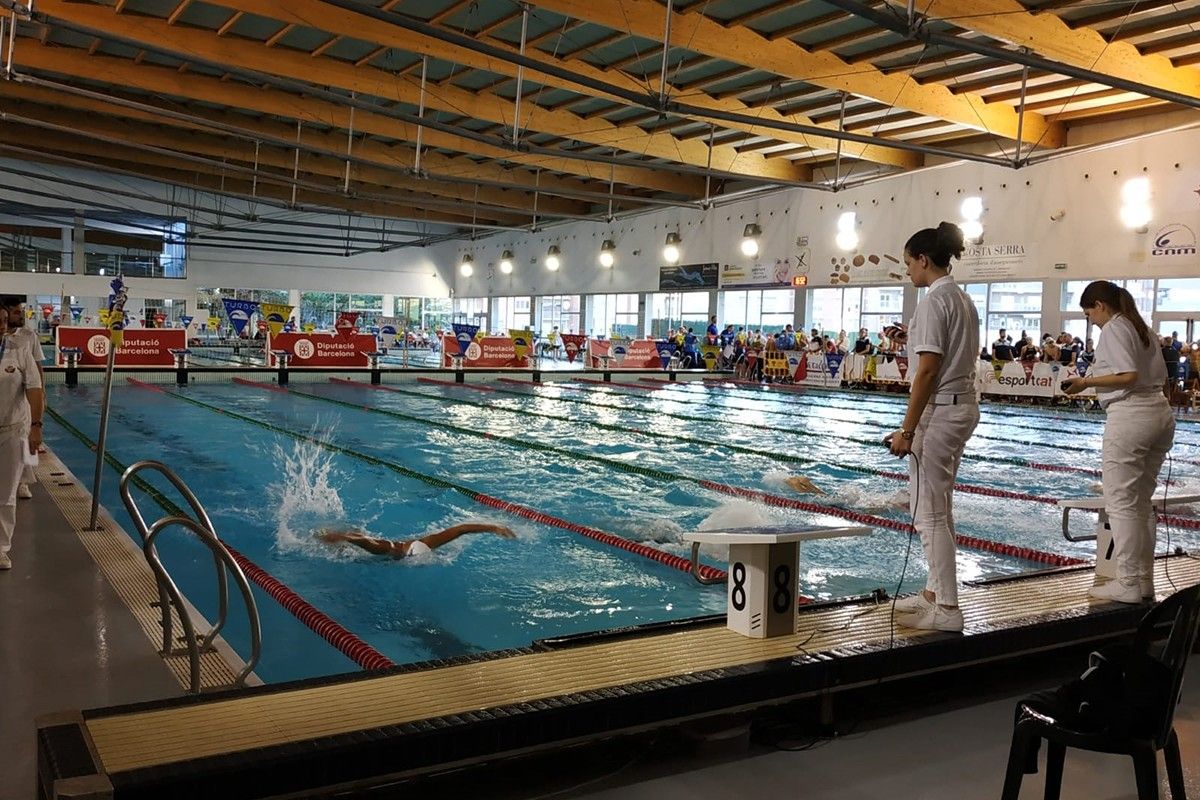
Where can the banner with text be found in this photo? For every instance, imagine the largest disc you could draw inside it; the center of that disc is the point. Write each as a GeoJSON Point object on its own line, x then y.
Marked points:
{"type": "Point", "coordinates": [686, 277]}
{"type": "Point", "coordinates": [140, 348]}
{"type": "Point", "coordinates": [490, 352]}
{"type": "Point", "coordinates": [321, 349]}
{"type": "Point", "coordinates": [239, 312]}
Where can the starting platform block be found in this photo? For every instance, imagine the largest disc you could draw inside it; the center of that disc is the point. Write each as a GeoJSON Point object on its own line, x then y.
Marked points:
{"type": "Point", "coordinates": [764, 565]}
{"type": "Point", "coordinates": [1106, 567]}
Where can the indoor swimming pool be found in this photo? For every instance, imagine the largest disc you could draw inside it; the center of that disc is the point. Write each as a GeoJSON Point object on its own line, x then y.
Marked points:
{"type": "Point", "coordinates": [640, 461]}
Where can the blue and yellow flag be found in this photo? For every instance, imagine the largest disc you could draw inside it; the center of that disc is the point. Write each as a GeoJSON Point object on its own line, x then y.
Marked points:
{"type": "Point", "coordinates": [522, 341]}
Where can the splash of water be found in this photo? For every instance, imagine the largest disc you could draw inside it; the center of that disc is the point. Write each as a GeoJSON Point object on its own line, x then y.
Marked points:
{"type": "Point", "coordinates": [305, 497]}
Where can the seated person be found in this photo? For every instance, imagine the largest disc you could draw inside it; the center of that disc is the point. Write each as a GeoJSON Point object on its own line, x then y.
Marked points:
{"type": "Point", "coordinates": [862, 345]}
{"type": "Point", "coordinates": [412, 547]}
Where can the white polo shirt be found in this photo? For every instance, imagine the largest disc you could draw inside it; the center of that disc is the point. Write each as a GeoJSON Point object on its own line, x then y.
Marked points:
{"type": "Point", "coordinates": [17, 373]}
{"type": "Point", "coordinates": [1120, 350]}
{"type": "Point", "coordinates": [947, 323]}
{"type": "Point", "coordinates": [25, 337]}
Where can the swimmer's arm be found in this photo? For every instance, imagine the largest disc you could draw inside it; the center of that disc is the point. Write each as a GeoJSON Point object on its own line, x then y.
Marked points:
{"type": "Point", "coordinates": [450, 534]}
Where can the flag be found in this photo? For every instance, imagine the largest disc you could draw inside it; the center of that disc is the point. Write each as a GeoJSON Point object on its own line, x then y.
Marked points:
{"type": "Point", "coordinates": [76, 313]}
{"type": "Point", "coordinates": [573, 343]}
{"type": "Point", "coordinates": [239, 312]}
{"type": "Point", "coordinates": [710, 353]}
{"type": "Point", "coordinates": [276, 315]}
{"type": "Point", "coordinates": [388, 328]}
{"type": "Point", "coordinates": [834, 360]}
{"type": "Point", "coordinates": [186, 321]}
{"type": "Point", "coordinates": [214, 323]}
{"type": "Point", "coordinates": [116, 312]}
{"type": "Point", "coordinates": [522, 341]}
{"type": "Point", "coordinates": [347, 323]}
{"type": "Point", "coordinates": [665, 351]}
{"type": "Point", "coordinates": [620, 348]}
{"type": "Point", "coordinates": [464, 334]}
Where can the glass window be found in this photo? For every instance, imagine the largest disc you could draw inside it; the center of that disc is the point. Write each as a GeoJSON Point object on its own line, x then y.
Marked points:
{"type": "Point", "coordinates": [613, 315]}
{"type": "Point", "coordinates": [470, 310]}
{"type": "Point", "coordinates": [1071, 291]}
{"type": "Point", "coordinates": [561, 311]}
{"type": "Point", "coordinates": [1179, 294]}
{"type": "Point", "coordinates": [1021, 297]}
{"type": "Point", "coordinates": [669, 310]}
{"type": "Point", "coordinates": [436, 313]}
{"type": "Point", "coordinates": [825, 307]}
{"type": "Point", "coordinates": [778, 308]}
{"type": "Point", "coordinates": [978, 292]}
{"type": "Point", "coordinates": [754, 309]}
{"type": "Point", "coordinates": [511, 312]}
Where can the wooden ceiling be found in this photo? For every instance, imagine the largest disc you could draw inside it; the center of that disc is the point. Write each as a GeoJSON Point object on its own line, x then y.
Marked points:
{"type": "Point", "coordinates": [405, 109]}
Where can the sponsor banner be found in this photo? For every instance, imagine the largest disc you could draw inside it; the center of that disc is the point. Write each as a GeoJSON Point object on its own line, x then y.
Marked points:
{"type": "Point", "coordinates": [322, 349]}
{"type": "Point", "coordinates": [239, 312]}
{"type": "Point", "coordinates": [76, 313]}
{"type": "Point", "coordinates": [488, 352]}
{"type": "Point", "coordinates": [522, 341]}
{"type": "Point", "coordinates": [1026, 379]}
{"type": "Point", "coordinates": [710, 353]}
{"type": "Point", "coordinates": [139, 348]}
{"type": "Point", "coordinates": [275, 315]}
{"type": "Point", "coordinates": [782, 273]}
{"type": "Point", "coordinates": [464, 334]}
{"type": "Point", "coordinates": [689, 276]}
{"type": "Point", "coordinates": [665, 350]}
{"type": "Point", "coordinates": [599, 353]}
{"type": "Point", "coordinates": [347, 323]}
{"type": "Point", "coordinates": [573, 344]}
{"type": "Point", "coordinates": [389, 327]}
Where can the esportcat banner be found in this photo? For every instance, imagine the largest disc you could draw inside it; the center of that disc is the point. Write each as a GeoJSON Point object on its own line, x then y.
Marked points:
{"type": "Point", "coordinates": [388, 328]}
{"type": "Point", "coordinates": [321, 349]}
{"type": "Point", "coordinates": [522, 340]}
{"type": "Point", "coordinates": [275, 315]}
{"type": "Point", "coordinates": [140, 347]}
{"type": "Point", "coordinates": [239, 312]}
{"type": "Point", "coordinates": [489, 352]}
{"type": "Point", "coordinates": [573, 344]}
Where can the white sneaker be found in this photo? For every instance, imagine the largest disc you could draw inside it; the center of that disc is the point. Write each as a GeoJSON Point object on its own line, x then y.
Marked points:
{"type": "Point", "coordinates": [934, 618]}
{"type": "Point", "coordinates": [1117, 592]}
{"type": "Point", "coordinates": [5, 561]}
{"type": "Point", "coordinates": [23, 491]}
{"type": "Point", "coordinates": [912, 604]}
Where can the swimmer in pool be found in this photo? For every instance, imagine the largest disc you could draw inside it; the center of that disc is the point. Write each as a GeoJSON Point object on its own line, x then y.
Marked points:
{"type": "Point", "coordinates": [412, 547]}
{"type": "Point", "coordinates": [803, 485]}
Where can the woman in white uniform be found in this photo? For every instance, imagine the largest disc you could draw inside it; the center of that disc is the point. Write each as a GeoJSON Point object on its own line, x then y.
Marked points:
{"type": "Point", "coordinates": [1127, 374]}
{"type": "Point", "coordinates": [21, 403]}
{"type": "Point", "coordinates": [943, 411]}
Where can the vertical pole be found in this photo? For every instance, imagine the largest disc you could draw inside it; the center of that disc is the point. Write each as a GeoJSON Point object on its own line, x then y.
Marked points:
{"type": "Point", "coordinates": [1021, 116]}
{"type": "Point", "coordinates": [4, 72]}
{"type": "Point", "coordinates": [516, 131]}
{"type": "Point", "coordinates": [421, 114]}
{"type": "Point", "coordinates": [349, 145]}
{"type": "Point", "coordinates": [254, 177]}
{"type": "Point", "coordinates": [837, 173]}
{"type": "Point", "coordinates": [662, 77]}
{"type": "Point", "coordinates": [102, 438]}
{"type": "Point", "coordinates": [12, 42]}
{"type": "Point", "coordinates": [296, 163]}
{"type": "Point", "coordinates": [712, 130]}
{"type": "Point", "coordinates": [612, 181]}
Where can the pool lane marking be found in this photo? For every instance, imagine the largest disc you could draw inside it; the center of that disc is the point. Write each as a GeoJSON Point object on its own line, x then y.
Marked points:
{"type": "Point", "coordinates": [654, 554]}
{"type": "Point", "coordinates": [752, 494]}
{"type": "Point", "coordinates": [309, 615]}
{"type": "Point", "coordinates": [778, 428]}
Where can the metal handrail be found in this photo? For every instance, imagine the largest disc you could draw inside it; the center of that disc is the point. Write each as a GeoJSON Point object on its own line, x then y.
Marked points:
{"type": "Point", "coordinates": [143, 531]}
{"type": "Point", "coordinates": [696, 568]}
{"type": "Point", "coordinates": [224, 561]}
{"type": "Point", "coordinates": [203, 527]}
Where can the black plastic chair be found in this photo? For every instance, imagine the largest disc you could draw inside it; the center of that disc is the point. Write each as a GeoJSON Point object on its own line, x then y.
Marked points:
{"type": "Point", "coordinates": [1144, 723]}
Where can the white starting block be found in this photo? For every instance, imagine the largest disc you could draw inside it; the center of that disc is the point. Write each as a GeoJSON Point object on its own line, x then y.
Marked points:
{"type": "Point", "coordinates": [763, 569]}
{"type": "Point", "coordinates": [1106, 567]}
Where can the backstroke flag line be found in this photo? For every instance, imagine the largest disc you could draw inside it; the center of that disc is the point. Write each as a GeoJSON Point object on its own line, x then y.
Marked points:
{"type": "Point", "coordinates": [276, 315]}
{"type": "Point", "coordinates": [239, 312]}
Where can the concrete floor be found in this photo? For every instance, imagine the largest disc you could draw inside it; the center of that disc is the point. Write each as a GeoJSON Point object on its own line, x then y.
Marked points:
{"type": "Point", "coordinates": [66, 640]}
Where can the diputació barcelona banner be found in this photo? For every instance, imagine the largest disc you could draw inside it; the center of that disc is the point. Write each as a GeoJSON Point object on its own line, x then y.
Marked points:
{"type": "Point", "coordinates": [150, 347]}
{"type": "Point", "coordinates": [487, 352]}
{"type": "Point", "coordinates": [322, 349]}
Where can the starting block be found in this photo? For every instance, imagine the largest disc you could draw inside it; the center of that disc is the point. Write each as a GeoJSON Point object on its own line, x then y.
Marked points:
{"type": "Point", "coordinates": [1106, 567]}
{"type": "Point", "coordinates": [763, 570]}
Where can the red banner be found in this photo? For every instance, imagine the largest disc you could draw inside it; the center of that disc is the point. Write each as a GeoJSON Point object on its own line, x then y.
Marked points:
{"type": "Point", "coordinates": [142, 347]}
{"type": "Point", "coordinates": [639, 354]}
{"type": "Point", "coordinates": [322, 349]}
{"type": "Point", "coordinates": [572, 343]}
{"type": "Point", "coordinates": [490, 352]}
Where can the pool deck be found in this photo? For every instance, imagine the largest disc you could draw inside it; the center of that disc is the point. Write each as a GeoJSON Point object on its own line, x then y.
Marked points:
{"type": "Point", "coordinates": [356, 730]}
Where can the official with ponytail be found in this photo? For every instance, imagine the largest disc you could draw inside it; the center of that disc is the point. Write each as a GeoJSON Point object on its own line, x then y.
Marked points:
{"type": "Point", "coordinates": [943, 410]}
{"type": "Point", "coordinates": [1128, 374]}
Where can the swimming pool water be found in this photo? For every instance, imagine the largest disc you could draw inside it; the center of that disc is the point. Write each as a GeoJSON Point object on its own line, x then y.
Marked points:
{"type": "Point", "coordinates": [268, 492]}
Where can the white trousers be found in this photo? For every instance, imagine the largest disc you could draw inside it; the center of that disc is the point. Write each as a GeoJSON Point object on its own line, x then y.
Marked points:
{"type": "Point", "coordinates": [1137, 435]}
{"type": "Point", "coordinates": [938, 443]}
{"type": "Point", "coordinates": [12, 461]}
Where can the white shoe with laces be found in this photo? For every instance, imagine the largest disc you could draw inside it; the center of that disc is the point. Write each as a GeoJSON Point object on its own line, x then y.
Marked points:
{"type": "Point", "coordinates": [5, 561]}
{"type": "Point", "coordinates": [23, 491]}
{"type": "Point", "coordinates": [934, 618]}
{"type": "Point", "coordinates": [912, 604]}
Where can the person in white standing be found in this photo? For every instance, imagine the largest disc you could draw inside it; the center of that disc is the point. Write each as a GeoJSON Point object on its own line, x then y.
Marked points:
{"type": "Point", "coordinates": [1128, 375]}
{"type": "Point", "coordinates": [943, 410]}
{"type": "Point", "coordinates": [21, 404]}
{"type": "Point", "coordinates": [22, 335]}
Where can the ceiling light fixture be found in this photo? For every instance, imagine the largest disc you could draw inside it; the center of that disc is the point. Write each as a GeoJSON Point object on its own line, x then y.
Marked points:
{"type": "Point", "coordinates": [607, 253]}
{"type": "Point", "coordinates": [750, 236]}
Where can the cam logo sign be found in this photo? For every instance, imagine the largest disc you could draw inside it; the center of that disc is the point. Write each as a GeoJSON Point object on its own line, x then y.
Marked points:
{"type": "Point", "coordinates": [1175, 239]}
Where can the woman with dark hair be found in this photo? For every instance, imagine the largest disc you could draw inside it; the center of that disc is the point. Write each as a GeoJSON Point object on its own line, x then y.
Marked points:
{"type": "Point", "coordinates": [1127, 374]}
{"type": "Point", "coordinates": [943, 411]}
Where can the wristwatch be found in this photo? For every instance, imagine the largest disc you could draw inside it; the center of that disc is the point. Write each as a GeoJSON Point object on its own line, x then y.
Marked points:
{"type": "Point", "coordinates": [907, 435]}
{"type": "Point", "coordinates": [36, 424]}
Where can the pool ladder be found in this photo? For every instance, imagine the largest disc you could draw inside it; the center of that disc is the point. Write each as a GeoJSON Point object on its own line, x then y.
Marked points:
{"type": "Point", "coordinates": [168, 593]}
